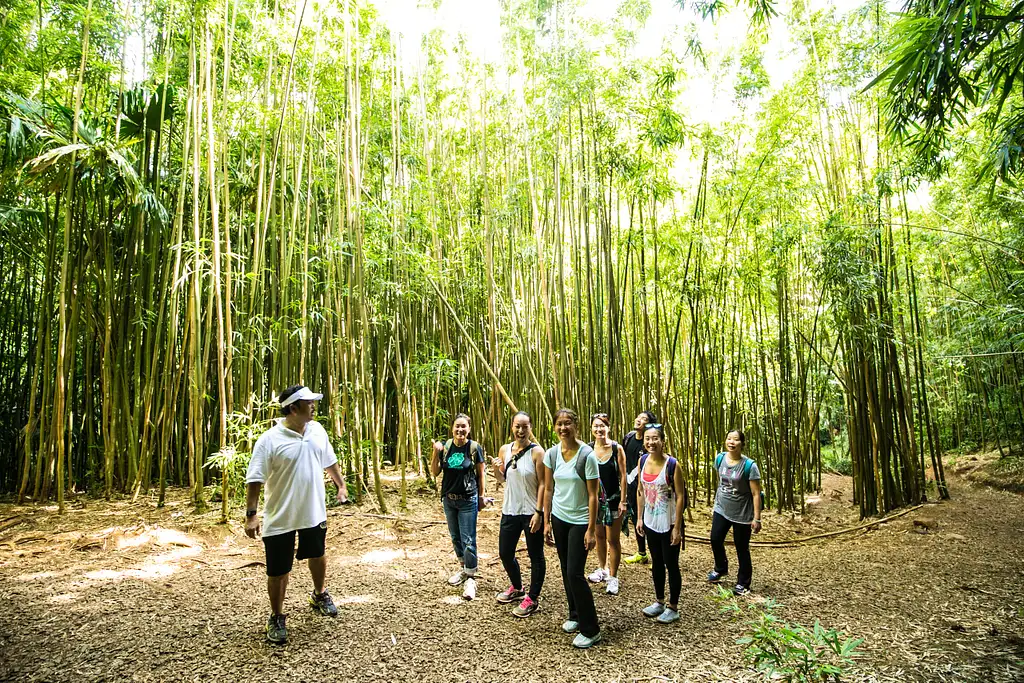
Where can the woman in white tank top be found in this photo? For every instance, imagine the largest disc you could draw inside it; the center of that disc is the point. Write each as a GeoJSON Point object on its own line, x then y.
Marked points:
{"type": "Point", "coordinates": [519, 463]}
{"type": "Point", "coordinates": [661, 499]}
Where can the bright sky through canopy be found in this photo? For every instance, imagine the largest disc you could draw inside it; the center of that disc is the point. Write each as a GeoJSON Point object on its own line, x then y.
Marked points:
{"type": "Point", "coordinates": [479, 21]}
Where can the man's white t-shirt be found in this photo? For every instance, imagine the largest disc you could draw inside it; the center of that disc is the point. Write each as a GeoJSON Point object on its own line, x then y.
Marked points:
{"type": "Point", "coordinates": [291, 465]}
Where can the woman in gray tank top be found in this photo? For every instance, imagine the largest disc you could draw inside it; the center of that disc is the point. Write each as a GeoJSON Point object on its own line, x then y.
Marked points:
{"type": "Point", "coordinates": [519, 464]}
{"type": "Point", "coordinates": [737, 506]}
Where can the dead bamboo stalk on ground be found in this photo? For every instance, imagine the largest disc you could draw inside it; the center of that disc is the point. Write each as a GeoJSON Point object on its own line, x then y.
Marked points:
{"type": "Point", "coordinates": [800, 541]}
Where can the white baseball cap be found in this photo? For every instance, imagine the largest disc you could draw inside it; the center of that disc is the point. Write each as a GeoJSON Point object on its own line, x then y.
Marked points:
{"type": "Point", "coordinates": [303, 394]}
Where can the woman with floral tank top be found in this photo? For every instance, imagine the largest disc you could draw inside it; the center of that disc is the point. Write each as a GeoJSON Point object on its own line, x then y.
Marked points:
{"type": "Point", "coordinates": [661, 499]}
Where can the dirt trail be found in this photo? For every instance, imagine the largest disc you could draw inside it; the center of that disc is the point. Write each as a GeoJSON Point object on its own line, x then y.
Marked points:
{"type": "Point", "coordinates": [129, 592]}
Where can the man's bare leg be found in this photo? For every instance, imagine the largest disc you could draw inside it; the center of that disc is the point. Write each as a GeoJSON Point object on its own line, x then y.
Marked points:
{"type": "Point", "coordinates": [276, 587]}
{"type": "Point", "coordinates": [318, 569]}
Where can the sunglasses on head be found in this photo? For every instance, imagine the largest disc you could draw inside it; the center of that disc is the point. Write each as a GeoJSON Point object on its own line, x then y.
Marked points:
{"type": "Point", "coordinates": [652, 425]}
{"type": "Point", "coordinates": [598, 415]}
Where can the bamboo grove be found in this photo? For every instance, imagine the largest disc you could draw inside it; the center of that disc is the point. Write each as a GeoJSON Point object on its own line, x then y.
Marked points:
{"type": "Point", "coordinates": [286, 196]}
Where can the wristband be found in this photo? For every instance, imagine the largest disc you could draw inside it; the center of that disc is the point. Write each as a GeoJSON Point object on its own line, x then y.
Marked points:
{"type": "Point", "coordinates": [250, 513]}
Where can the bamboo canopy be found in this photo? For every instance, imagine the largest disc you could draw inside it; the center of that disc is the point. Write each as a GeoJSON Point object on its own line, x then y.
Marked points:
{"type": "Point", "coordinates": [285, 197]}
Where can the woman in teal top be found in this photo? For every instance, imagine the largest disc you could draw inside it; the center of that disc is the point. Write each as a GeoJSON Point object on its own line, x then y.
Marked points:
{"type": "Point", "coordinates": [571, 489]}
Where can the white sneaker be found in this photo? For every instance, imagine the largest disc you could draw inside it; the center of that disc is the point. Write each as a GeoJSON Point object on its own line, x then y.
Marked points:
{"type": "Point", "coordinates": [570, 626]}
{"type": "Point", "coordinates": [598, 575]}
{"type": "Point", "coordinates": [469, 592]}
{"type": "Point", "coordinates": [457, 578]}
{"type": "Point", "coordinates": [613, 586]}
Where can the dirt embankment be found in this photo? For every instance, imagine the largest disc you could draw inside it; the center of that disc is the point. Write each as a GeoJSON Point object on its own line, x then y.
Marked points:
{"type": "Point", "coordinates": [1001, 470]}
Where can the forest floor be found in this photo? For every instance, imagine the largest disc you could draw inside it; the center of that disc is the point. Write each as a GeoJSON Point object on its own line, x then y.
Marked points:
{"type": "Point", "coordinates": [123, 591]}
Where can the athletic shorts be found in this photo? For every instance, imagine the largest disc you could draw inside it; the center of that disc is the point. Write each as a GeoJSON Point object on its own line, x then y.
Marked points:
{"type": "Point", "coordinates": [281, 548]}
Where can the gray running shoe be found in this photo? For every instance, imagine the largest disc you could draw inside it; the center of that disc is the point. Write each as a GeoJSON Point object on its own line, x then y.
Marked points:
{"type": "Point", "coordinates": [654, 609]}
{"type": "Point", "coordinates": [527, 607]}
{"type": "Point", "coordinates": [277, 633]}
{"type": "Point", "coordinates": [668, 616]}
{"type": "Point", "coordinates": [323, 604]}
{"type": "Point", "coordinates": [583, 642]}
{"type": "Point", "coordinates": [510, 594]}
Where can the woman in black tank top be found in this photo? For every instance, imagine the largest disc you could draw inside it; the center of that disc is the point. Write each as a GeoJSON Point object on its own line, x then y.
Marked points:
{"type": "Point", "coordinates": [612, 460]}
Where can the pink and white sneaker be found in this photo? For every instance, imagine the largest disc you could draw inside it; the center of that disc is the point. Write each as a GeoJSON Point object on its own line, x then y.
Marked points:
{"type": "Point", "coordinates": [527, 607]}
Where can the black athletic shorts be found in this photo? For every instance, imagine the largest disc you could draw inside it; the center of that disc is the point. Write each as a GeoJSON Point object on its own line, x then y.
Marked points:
{"type": "Point", "coordinates": [281, 547]}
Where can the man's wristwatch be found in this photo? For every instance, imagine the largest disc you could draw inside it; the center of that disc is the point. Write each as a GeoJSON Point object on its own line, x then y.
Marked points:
{"type": "Point", "coordinates": [250, 513]}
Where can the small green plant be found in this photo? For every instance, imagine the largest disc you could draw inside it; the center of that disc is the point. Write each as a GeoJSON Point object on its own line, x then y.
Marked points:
{"type": "Point", "coordinates": [232, 459]}
{"type": "Point", "coordinates": [233, 464]}
{"type": "Point", "coordinates": [783, 651]}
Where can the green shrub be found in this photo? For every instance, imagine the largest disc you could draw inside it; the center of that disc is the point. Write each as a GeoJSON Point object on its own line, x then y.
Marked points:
{"type": "Point", "coordinates": [783, 651]}
{"type": "Point", "coordinates": [835, 457]}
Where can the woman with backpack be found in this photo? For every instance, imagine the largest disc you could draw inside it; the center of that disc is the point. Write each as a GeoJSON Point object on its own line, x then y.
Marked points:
{"type": "Point", "coordinates": [520, 464]}
{"type": "Point", "coordinates": [633, 444]}
{"type": "Point", "coordinates": [738, 503]}
{"type": "Point", "coordinates": [660, 502]}
{"type": "Point", "coordinates": [462, 489]}
{"type": "Point", "coordinates": [571, 486]}
{"type": "Point", "coordinates": [611, 459]}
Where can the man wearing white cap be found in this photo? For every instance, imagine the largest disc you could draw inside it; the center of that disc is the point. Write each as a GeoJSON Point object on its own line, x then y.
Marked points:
{"type": "Point", "coordinates": [290, 458]}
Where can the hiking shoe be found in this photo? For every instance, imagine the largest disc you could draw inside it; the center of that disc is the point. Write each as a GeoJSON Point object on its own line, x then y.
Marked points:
{"type": "Point", "coordinates": [527, 607]}
{"type": "Point", "coordinates": [469, 591]}
{"type": "Point", "coordinates": [668, 616]}
{"type": "Point", "coordinates": [323, 604]}
{"type": "Point", "coordinates": [510, 594]}
{"type": "Point", "coordinates": [457, 578]}
{"type": "Point", "coordinates": [613, 586]}
{"type": "Point", "coordinates": [277, 633]}
{"type": "Point", "coordinates": [598, 575]}
{"type": "Point", "coordinates": [654, 609]}
{"type": "Point", "coordinates": [570, 626]}
{"type": "Point", "coordinates": [583, 642]}
{"type": "Point", "coordinates": [639, 558]}
{"type": "Point", "coordinates": [716, 576]}
{"type": "Point", "coordinates": [740, 589]}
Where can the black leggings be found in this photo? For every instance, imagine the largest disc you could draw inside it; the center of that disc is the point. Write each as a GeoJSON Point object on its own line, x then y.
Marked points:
{"type": "Point", "coordinates": [508, 538]}
{"type": "Point", "coordinates": [641, 543]}
{"type": "Point", "coordinates": [572, 556]}
{"type": "Point", "coordinates": [741, 537]}
{"type": "Point", "coordinates": [664, 556]}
